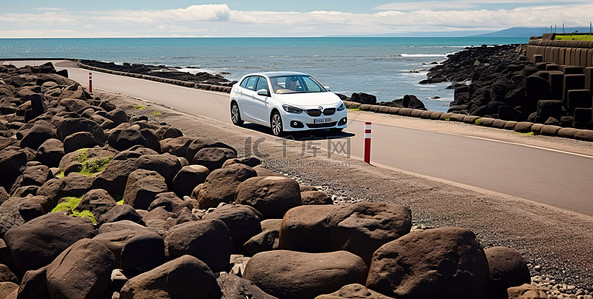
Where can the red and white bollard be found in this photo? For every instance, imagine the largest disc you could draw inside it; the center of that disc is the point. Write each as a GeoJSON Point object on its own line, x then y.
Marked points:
{"type": "Point", "coordinates": [367, 142]}
{"type": "Point", "coordinates": [91, 82]}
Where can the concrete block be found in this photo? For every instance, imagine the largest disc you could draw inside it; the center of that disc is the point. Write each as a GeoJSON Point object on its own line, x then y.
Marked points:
{"type": "Point", "coordinates": [572, 81]}
{"type": "Point", "coordinates": [556, 85]}
{"type": "Point", "coordinates": [552, 66]}
{"type": "Point", "coordinates": [589, 78]}
{"type": "Point", "coordinates": [582, 117]}
{"type": "Point", "coordinates": [578, 98]}
{"type": "Point", "coordinates": [590, 57]}
{"type": "Point", "coordinates": [561, 55]}
{"type": "Point", "coordinates": [538, 58]}
{"type": "Point", "coordinates": [572, 69]}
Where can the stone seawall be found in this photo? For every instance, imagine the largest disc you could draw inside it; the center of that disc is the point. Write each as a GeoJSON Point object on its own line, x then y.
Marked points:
{"type": "Point", "coordinates": [561, 52]}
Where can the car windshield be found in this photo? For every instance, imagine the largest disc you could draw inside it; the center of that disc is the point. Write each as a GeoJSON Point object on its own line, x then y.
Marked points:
{"type": "Point", "coordinates": [295, 84]}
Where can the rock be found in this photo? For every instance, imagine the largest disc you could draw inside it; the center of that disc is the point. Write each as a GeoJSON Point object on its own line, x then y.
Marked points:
{"type": "Point", "coordinates": [12, 159]}
{"type": "Point", "coordinates": [250, 161]}
{"type": "Point", "coordinates": [7, 288]}
{"type": "Point", "coordinates": [166, 165]}
{"type": "Point", "coordinates": [242, 222]}
{"type": "Point", "coordinates": [119, 213]}
{"type": "Point", "coordinates": [188, 178]}
{"type": "Point", "coordinates": [74, 91]}
{"type": "Point", "coordinates": [28, 242]}
{"type": "Point", "coordinates": [363, 98]}
{"type": "Point", "coordinates": [170, 280]}
{"type": "Point", "coordinates": [363, 227]}
{"type": "Point", "coordinates": [291, 274]}
{"type": "Point", "coordinates": [353, 291]}
{"type": "Point", "coordinates": [213, 157]}
{"type": "Point", "coordinates": [122, 225]}
{"type": "Point", "coordinates": [444, 262]}
{"type": "Point", "coordinates": [221, 185]}
{"type": "Point", "coordinates": [30, 210]}
{"type": "Point", "coordinates": [315, 198]}
{"type": "Point", "coordinates": [118, 116]}
{"type": "Point", "coordinates": [168, 132]}
{"type": "Point", "coordinates": [4, 196]}
{"type": "Point", "coordinates": [70, 126]}
{"type": "Point", "coordinates": [74, 185]}
{"type": "Point", "coordinates": [126, 136]}
{"type": "Point", "coordinates": [83, 270]}
{"type": "Point", "coordinates": [234, 287]}
{"type": "Point", "coordinates": [272, 196]}
{"type": "Point", "coordinates": [170, 202]}
{"type": "Point", "coordinates": [6, 274]}
{"type": "Point", "coordinates": [507, 269]}
{"type": "Point", "coordinates": [199, 238]}
{"type": "Point", "coordinates": [135, 251]}
{"type": "Point", "coordinates": [79, 140]}
{"type": "Point", "coordinates": [34, 284]}
{"type": "Point", "coordinates": [115, 175]}
{"type": "Point", "coordinates": [142, 188]}
{"type": "Point", "coordinates": [38, 134]}
{"type": "Point", "coordinates": [177, 146]}
{"type": "Point", "coordinates": [264, 241]}
{"type": "Point", "coordinates": [74, 105]}
{"type": "Point", "coordinates": [97, 201]}
{"type": "Point", "coordinates": [50, 152]}
{"type": "Point", "coordinates": [198, 144]}
{"type": "Point", "coordinates": [35, 175]}
{"type": "Point", "coordinates": [526, 291]}
{"type": "Point", "coordinates": [306, 228]}
{"type": "Point", "coordinates": [271, 224]}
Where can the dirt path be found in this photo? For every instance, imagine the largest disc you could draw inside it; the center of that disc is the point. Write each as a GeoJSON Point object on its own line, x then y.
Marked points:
{"type": "Point", "coordinates": [558, 241]}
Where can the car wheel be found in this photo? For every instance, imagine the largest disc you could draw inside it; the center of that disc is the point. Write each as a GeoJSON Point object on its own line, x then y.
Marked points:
{"type": "Point", "coordinates": [276, 124]}
{"type": "Point", "coordinates": [236, 114]}
{"type": "Point", "coordinates": [336, 130]}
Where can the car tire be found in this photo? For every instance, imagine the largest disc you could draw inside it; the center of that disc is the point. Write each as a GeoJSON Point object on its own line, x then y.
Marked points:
{"type": "Point", "coordinates": [276, 124]}
{"type": "Point", "coordinates": [236, 114]}
{"type": "Point", "coordinates": [336, 130]}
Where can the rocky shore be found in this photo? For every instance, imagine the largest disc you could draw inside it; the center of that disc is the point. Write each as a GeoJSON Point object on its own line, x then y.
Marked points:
{"type": "Point", "coordinates": [99, 203]}
{"type": "Point", "coordinates": [161, 71]}
{"type": "Point", "coordinates": [500, 82]}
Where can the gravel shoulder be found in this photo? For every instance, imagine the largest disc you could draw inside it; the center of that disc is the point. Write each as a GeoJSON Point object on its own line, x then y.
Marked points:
{"type": "Point", "coordinates": [555, 242]}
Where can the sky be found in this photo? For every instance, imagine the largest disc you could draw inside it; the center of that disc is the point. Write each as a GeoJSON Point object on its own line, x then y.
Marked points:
{"type": "Point", "coordinates": [278, 18]}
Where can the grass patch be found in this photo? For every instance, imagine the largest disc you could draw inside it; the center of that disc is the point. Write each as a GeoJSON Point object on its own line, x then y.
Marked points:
{"type": "Point", "coordinates": [85, 213]}
{"type": "Point", "coordinates": [156, 113]}
{"type": "Point", "coordinates": [354, 109]}
{"type": "Point", "coordinates": [585, 37]}
{"type": "Point", "coordinates": [120, 202]}
{"type": "Point", "coordinates": [67, 205]}
{"type": "Point", "coordinates": [60, 174]}
{"type": "Point", "coordinates": [91, 167]}
{"type": "Point", "coordinates": [448, 119]}
{"type": "Point", "coordinates": [526, 134]}
{"type": "Point", "coordinates": [140, 107]}
{"type": "Point", "coordinates": [478, 121]}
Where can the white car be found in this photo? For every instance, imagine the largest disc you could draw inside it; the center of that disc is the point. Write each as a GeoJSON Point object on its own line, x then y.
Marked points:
{"type": "Point", "coordinates": [285, 102]}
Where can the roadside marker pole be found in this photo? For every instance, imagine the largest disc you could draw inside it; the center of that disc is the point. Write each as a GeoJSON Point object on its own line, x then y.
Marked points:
{"type": "Point", "coordinates": [367, 142]}
{"type": "Point", "coordinates": [91, 82]}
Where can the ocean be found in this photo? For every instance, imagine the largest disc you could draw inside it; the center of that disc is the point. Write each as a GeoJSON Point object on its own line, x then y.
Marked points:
{"type": "Point", "coordinates": [387, 67]}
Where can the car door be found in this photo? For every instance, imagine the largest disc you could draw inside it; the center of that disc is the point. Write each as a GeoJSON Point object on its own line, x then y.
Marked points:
{"type": "Point", "coordinates": [261, 102]}
{"type": "Point", "coordinates": [247, 104]}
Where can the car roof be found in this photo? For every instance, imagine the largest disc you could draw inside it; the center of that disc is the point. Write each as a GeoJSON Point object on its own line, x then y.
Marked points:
{"type": "Point", "coordinates": [278, 74]}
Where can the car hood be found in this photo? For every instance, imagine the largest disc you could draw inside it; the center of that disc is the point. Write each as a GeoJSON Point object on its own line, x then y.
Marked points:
{"type": "Point", "coordinates": [309, 100]}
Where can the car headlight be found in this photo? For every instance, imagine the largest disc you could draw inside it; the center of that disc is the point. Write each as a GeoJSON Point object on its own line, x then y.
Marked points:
{"type": "Point", "coordinates": [341, 107]}
{"type": "Point", "coordinates": [291, 109]}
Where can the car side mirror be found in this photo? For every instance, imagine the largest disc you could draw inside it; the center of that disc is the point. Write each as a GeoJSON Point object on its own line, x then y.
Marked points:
{"type": "Point", "coordinates": [263, 92]}
{"type": "Point", "coordinates": [326, 88]}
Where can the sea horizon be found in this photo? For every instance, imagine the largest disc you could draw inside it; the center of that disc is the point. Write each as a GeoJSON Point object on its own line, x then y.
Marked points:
{"type": "Point", "coordinates": [387, 67]}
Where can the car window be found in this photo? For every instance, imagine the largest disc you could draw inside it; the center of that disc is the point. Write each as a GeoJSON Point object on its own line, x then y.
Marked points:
{"type": "Point", "coordinates": [295, 83]}
{"type": "Point", "coordinates": [251, 82]}
{"type": "Point", "coordinates": [262, 83]}
{"type": "Point", "coordinates": [244, 82]}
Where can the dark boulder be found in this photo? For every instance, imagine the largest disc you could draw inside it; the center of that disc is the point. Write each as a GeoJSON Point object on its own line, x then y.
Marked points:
{"type": "Point", "coordinates": [79, 140]}
{"type": "Point", "coordinates": [170, 280]}
{"type": "Point", "coordinates": [272, 196]}
{"type": "Point", "coordinates": [363, 98]}
{"type": "Point", "coordinates": [38, 134]}
{"type": "Point", "coordinates": [74, 185]}
{"type": "Point", "coordinates": [70, 126]}
{"type": "Point", "coordinates": [97, 201]}
{"type": "Point", "coordinates": [188, 178]}
{"type": "Point", "coordinates": [50, 152]}
{"type": "Point", "coordinates": [221, 185]}
{"type": "Point", "coordinates": [28, 242]}
{"type": "Point", "coordinates": [208, 240]}
{"type": "Point", "coordinates": [119, 213]}
{"type": "Point", "coordinates": [213, 157]}
{"type": "Point", "coordinates": [83, 270]}
{"type": "Point", "coordinates": [12, 160]}
{"type": "Point", "coordinates": [242, 222]}
{"type": "Point", "coordinates": [234, 287]}
{"type": "Point", "coordinates": [437, 263]}
{"type": "Point", "coordinates": [166, 165]}
{"type": "Point", "coordinates": [142, 187]}
{"type": "Point", "coordinates": [507, 269]}
{"type": "Point", "coordinates": [34, 284]}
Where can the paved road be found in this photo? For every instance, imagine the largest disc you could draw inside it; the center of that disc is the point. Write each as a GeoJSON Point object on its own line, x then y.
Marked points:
{"type": "Point", "coordinates": [550, 177]}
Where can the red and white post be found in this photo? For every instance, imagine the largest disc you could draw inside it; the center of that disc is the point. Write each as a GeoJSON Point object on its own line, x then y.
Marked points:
{"type": "Point", "coordinates": [367, 142]}
{"type": "Point", "coordinates": [91, 82]}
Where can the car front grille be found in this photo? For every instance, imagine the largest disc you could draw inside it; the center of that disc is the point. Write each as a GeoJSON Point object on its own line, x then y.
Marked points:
{"type": "Point", "coordinates": [329, 111]}
{"type": "Point", "coordinates": [317, 112]}
{"type": "Point", "coordinates": [326, 125]}
{"type": "Point", "coordinates": [314, 112]}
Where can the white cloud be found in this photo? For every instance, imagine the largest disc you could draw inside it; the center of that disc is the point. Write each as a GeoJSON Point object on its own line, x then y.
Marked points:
{"type": "Point", "coordinates": [220, 20]}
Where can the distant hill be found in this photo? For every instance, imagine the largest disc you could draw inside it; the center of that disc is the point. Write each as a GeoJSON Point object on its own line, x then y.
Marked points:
{"type": "Point", "coordinates": [530, 31]}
